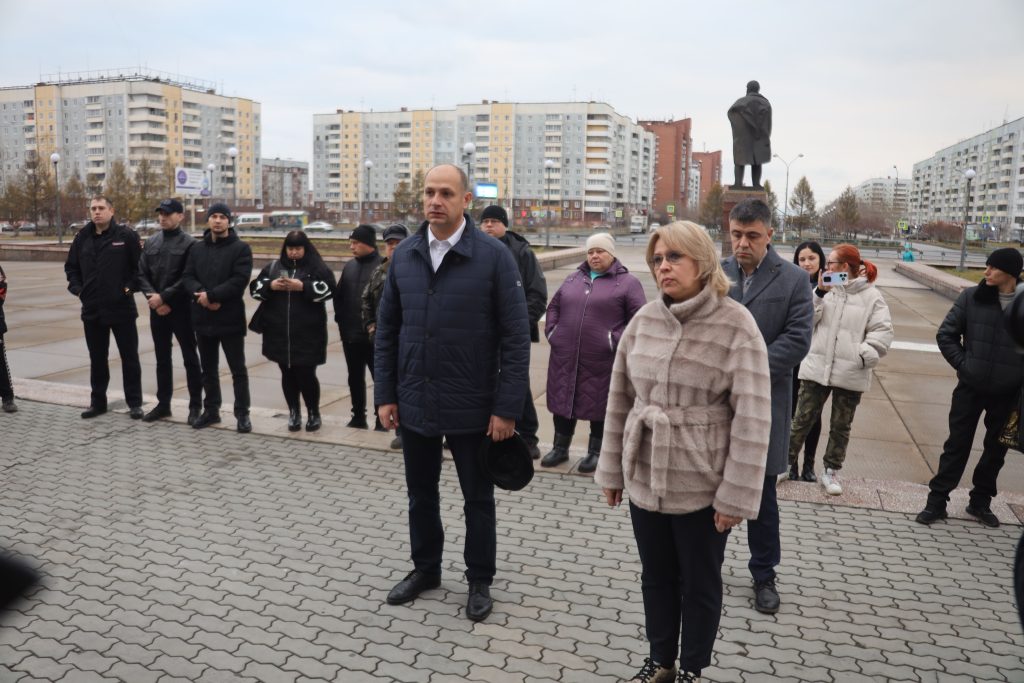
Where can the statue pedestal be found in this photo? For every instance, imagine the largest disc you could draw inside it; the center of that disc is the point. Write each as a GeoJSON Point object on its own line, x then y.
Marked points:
{"type": "Point", "coordinates": [731, 198]}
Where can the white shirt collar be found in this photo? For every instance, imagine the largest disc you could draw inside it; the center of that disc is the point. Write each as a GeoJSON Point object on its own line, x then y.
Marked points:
{"type": "Point", "coordinates": [452, 241]}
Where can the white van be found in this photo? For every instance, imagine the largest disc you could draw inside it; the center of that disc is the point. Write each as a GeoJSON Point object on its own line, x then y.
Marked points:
{"type": "Point", "coordinates": [251, 221]}
{"type": "Point", "coordinates": [638, 224]}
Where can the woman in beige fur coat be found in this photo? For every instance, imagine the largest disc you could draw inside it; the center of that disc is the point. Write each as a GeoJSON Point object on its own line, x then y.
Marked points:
{"type": "Point", "coordinates": [686, 436]}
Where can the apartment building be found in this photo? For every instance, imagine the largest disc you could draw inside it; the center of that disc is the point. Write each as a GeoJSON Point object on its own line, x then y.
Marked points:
{"type": "Point", "coordinates": [885, 193]}
{"type": "Point", "coordinates": [673, 146]}
{"type": "Point", "coordinates": [939, 184]}
{"type": "Point", "coordinates": [285, 183]}
{"type": "Point", "coordinates": [94, 118]}
{"type": "Point", "coordinates": [582, 161]}
{"type": "Point", "coordinates": [710, 172]}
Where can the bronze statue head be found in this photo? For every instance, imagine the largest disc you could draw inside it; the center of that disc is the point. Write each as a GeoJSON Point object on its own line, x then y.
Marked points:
{"type": "Point", "coordinates": [753, 86]}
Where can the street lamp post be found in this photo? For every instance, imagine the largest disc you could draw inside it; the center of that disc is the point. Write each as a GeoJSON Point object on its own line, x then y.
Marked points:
{"type": "Point", "coordinates": [548, 165]}
{"type": "Point", "coordinates": [895, 210]}
{"type": "Point", "coordinates": [369, 169]}
{"type": "Point", "coordinates": [468, 150]}
{"type": "Point", "coordinates": [233, 153]}
{"type": "Point", "coordinates": [969, 174]}
{"type": "Point", "coordinates": [55, 159]}
{"type": "Point", "coordinates": [785, 199]}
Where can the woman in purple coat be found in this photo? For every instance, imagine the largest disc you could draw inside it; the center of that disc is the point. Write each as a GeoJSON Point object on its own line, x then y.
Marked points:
{"type": "Point", "coordinates": [585, 319]}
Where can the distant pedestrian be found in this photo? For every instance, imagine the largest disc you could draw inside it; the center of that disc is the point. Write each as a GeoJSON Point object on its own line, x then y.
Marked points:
{"type": "Point", "coordinates": [494, 221]}
{"type": "Point", "coordinates": [585, 319]}
{"type": "Point", "coordinates": [811, 258]}
{"type": "Point", "coordinates": [686, 435]}
{"type": "Point", "coordinates": [217, 274]}
{"type": "Point", "coordinates": [293, 321]}
{"type": "Point", "coordinates": [975, 341]}
{"type": "Point", "coordinates": [852, 332]}
{"type": "Point", "coordinates": [452, 354]}
{"type": "Point", "coordinates": [776, 294]}
{"type": "Point", "coordinates": [6, 385]}
{"type": "Point", "coordinates": [102, 269]}
{"type": "Point", "coordinates": [348, 304]}
{"type": "Point", "coordinates": [393, 236]}
{"type": "Point", "coordinates": [170, 310]}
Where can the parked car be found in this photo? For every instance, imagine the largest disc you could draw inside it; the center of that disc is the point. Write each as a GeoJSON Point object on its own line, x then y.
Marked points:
{"type": "Point", "coordinates": [77, 225]}
{"type": "Point", "coordinates": [147, 225]}
{"type": "Point", "coordinates": [319, 226]}
{"type": "Point", "coordinates": [654, 227]}
{"type": "Point", "coordinates": [27, 227]}
{"type": "Point", "coordinates": [6, 227]}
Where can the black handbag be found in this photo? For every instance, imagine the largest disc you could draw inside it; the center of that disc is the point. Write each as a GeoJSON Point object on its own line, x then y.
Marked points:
{"type": "Point", "coordinates": [256, 323]}
{"type": "Point", "coordinates": [1012, 435]}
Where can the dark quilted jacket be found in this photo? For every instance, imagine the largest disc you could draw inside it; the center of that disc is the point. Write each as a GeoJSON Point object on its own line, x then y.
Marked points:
{"type": "Point", "coordinates": [440, 335]}
{"type": "Point", "coordinates": [222, 269]}
{"type": "Point", "coordinates": [973, 339]}
{"type": "Point", "coordinates": [584, 323]}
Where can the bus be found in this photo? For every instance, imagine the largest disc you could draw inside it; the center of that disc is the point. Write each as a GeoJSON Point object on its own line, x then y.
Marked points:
{"type": "Point", "coordinates": [289, 220]}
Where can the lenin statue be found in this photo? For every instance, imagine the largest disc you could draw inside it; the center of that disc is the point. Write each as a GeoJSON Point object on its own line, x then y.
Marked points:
{"type": "Point", "coordinates": [751, 120]}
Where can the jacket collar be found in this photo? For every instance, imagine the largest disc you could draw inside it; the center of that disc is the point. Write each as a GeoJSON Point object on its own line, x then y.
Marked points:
{"type": "Point", "coordinates": [208, 238]}
{"type": "Point", "coordinates": [616, 268]}
{"type": "Point", "coordinates": [770, 267]}
{"type": "Point", "coordinates": [464, 246]}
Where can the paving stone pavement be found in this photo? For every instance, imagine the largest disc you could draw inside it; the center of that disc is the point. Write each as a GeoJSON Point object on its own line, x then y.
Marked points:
{"type": "Point", "coordinates": [177, 555]}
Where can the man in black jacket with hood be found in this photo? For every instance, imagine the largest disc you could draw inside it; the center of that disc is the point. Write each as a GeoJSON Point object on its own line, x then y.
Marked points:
{"type": "Point", "coordinates": [494, 221]}
{"type": "Point", "coordinates": [990, 369]}
{"type": "Point", "coordinates": [348, 313]}
{"type": "Point", "coordinates": [102, 271]}
{"type": "Point", "coordinates": [170, 316]}
{"type": "Point", "coordinates": [217, 276]}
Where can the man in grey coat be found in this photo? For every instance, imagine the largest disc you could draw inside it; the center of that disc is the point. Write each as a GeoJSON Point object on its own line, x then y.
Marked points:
{"type": "Point", "coordinates": [776, 293]}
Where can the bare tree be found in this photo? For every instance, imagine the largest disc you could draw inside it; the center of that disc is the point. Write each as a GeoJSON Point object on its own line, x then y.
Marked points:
{"type": "Point", "coordinates": [711, 209]}
{"type": "Point", "coordinates": [773, 203]}
{"type": "Point", "coordinates": [847, 212]}
{"type": "Point", "coordinates": [119, 190]}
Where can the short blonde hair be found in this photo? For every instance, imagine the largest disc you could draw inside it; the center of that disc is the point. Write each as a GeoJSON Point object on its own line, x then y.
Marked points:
{"type": "Point", "coordinates": [693, 240]}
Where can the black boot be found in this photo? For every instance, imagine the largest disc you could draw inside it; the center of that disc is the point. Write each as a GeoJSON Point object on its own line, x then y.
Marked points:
{"type": "Point", "coordinates": [808, 472]}
{"type": "Point", "coordinates": [589, 463]}
{"type": "Point", "coordinates": [793, 474]}
{"type": "Point", "coordinates": [313, 423]}
{"type": "Point", "coordinates": [559, 452]}
{"type": "Point", "coordinates": [294, 419]}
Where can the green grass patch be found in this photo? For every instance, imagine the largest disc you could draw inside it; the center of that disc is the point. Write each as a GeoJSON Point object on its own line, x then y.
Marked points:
{"type": "Point", "coordinates": [972, 274]}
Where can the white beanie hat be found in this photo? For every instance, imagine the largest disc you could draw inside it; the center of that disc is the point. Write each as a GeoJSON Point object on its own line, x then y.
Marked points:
{"type": "Point", "coordinates": [601, 240]}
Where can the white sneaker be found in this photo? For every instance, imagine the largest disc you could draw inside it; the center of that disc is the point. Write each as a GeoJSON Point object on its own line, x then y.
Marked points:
{"type": "Point", "coordinates": [830, 480]}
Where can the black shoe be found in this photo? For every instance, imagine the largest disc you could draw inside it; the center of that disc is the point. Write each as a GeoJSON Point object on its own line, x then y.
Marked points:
{"type": "Point", "coordinates": [766, 598]}
{"type": "Point", "coordinates": [136, 413]}
{"type": "Point", "coordinates": [559, 452]}
{"type": "Point", "coordinates": [479, 603]}
{"type": "Point", "coordinates": [294, 419]}
{"type": "Point", "coordinates": [808, 473]}
{"type": "Point", "coordinates": [377, 426]}
{"type": "Point", "coordinates": [793, 474]}
{"type": "Point", "coordinates": [396, 443]}
{"type": "Point", "coordinates": [358, 422]}
{"type": "Point", "coordinates": [313, 423]}
{"type": "Point", "coordinates": [531, 448]}
{"type": "Point", "coordinates": [930, 514]}
{"type": "Point", "coordinates": [589, 463]}
{"type": "Point", "coordinates": [158, 412]}
{"type": "Point", "coordinates": [244, 424]}
{"type": "Point", "coordinates": [93, 411]}
{"type": "Point", "coordinates": [193, 415]}
{"type": "Point", "coordinates": [206, 419]}
{"type": "Point", "coordinates": [9, 406]}
{"type": "Point", "coordinates": [983, 515]}
{"type": "Point", "coordinates": [409, 588]}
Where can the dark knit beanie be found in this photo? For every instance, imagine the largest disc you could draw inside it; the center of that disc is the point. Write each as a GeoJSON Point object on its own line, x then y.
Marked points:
{"type": "Point", "coordinates": [495, 211]}
{"type": "Point", "coordinates": [365, 234]}
{"type": "Point", "coordinates": [219, 207]}
{"type": "Point", "coordinates": [1007, 260]}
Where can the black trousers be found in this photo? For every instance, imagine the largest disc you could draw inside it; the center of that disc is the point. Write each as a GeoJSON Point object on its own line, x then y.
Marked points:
{"type": "Point", "coordinates": [682, 557]}
{"type": "Point", "coordinates": [6, 385]}
{"type": "Point", "coordinates": [763, 535]}
{"type": "Point", "coordinates": [964, 412]}
{"type": "Point", "coordinates": [564, 425]}
{"type": "Point", "coordinates": [528, 424]}
{"type": "Point", "coordinates": [97, 339]}
{"type": "Point", "coordinates": [359, 359]}
{"type": "Point", "coordinates": [426, 533]}
{"type": "Point", "coordinates": [234, 353]}
{"type": "Point", "coordinates": [165, 328]}
{"type": "Point", "coordinates": [300, 380]}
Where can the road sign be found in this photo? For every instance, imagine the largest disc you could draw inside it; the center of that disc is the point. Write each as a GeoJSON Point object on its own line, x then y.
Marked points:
{"type": "Point", "coordinates": [618, 213]}
{"type": "Point", "coordinates": [670, 209]}
{"type": "Point", "coordinates": [986, 218]}
{"type": "Point", "coordinates": [189, 181]}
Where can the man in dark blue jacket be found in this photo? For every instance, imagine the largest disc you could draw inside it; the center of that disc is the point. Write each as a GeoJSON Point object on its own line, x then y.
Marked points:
{"type": "Point", "coordinates": [453, 305]}
{"type": "Point", "coordinates": [102, 270]}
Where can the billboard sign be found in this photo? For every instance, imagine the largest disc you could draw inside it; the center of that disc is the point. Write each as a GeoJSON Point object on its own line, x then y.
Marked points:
{"type": "Point", "coordinates": [487, 190]}
{"type": "Point", "coordinates": [190, 181]}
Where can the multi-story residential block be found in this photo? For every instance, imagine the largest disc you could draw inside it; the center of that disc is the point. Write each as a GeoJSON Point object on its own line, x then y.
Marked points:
{"type": "Point", "coordinates": [710, 171]}
{"type": "Point", "coordinates": [581, 161]}
{"type": "Point", "coordinates": [939, 188]}
{"type": "Point", "coordinates": [693, 193]}
{"type": "Point", "coordinates": [673, 146]}
{"type": "Point", "coordinates": [885, 194]}
{"type": "Point", "coordinates": [285, 183]}
{"type": "Point", "coordinates": [94, 118]}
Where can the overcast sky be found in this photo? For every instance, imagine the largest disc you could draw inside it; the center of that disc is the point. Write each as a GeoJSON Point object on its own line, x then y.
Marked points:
{"type": "Point", "coordinates": [857, 87]}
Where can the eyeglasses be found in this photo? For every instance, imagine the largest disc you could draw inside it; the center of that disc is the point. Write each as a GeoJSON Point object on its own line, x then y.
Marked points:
{"type": "Point", "coordinates": [833, 263]}
{"type": "Point", "coordinates": [673, 257]}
